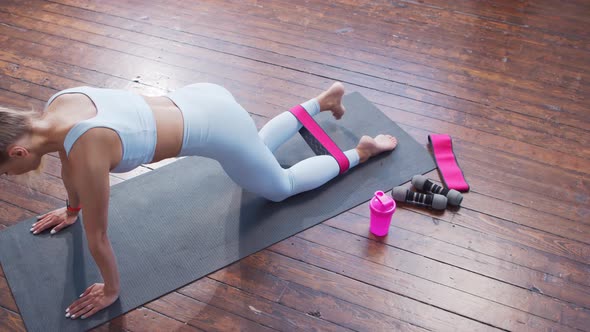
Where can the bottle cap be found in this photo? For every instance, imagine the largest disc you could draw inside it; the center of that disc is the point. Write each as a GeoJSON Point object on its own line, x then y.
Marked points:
{"type": "Point", "coordinates": [382, 202]}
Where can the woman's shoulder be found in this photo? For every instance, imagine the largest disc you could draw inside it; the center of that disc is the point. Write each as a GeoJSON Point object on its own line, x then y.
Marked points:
{"type": "Point", "coordinates": [71, 108]}
{"type": "Point", "coordinates": [66, 111]}
{"type": "Point", "coordinates": [66, 100]}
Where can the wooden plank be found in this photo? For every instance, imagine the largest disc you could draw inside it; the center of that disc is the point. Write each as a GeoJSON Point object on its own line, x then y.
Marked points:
{"type": "Point", "coordinates": [357, 292]}
{"type": "Point", "coordinates": [343, 312]}
{"type": "Point", "coordinates": [34, 200]}
{"type": "Point", "coordinates": [448, 275]}
{"type": "Point", "coordinates": [538, 16]}
{"type": "Point", "coordinates": [377, 24]}
{"type": "Point", "coordinates": [214, 24]}
{"type": "Point", "coordinates": [417, 20]}
{"type": "Point", "coordinates": [440, 247]}
{"type": "Point", "coordinates": [488, 244]}
{"type": "Point", "coordinates": [36, 77]}
{"type": "Point", "coordinates": [331, 35]}
{"type": "Point", "coordinates": [492, 142]}
{"type": "Point", "coordinates": [72, 75]}
{"type": "Point", "coordinates": [241, 276]}
{"type": "Point", "coordinates": [14, 100]}
{"type": "Point", "coordinates": [110, 47]}
{"type": "Point", "coordinates": [202, 315]}
{"type": "Point", "coordinates": [10, 321]}
{"type": "Point", "coordinates": [487, 120]}
{"type": "Point", "coordinates": [108, 328]}
{"type": "Point", "coordinates": [568, 192]}
{"type": "Point", "coordinates": [535, 239]}
{"type": "Point", "coordinates": [485, 311]}
{"type": "Point", "coordinates": [52, 165]}
{"type": "Point", "coordinates": [143, 319]}
{"type": "Point", "coordinates": [252, 307]}
{"type": "Point", "coordinates": [22, 87]}
{"type": "Point", "coordinates": [524, 205]}
{"type": "Point", "coordinates": [282, 23]}
{"type": "Point", "coordinates": [10, 214]}
{"type": "Point", "coordinates": [6, 298]}
{"type": "Point", "coordinates": [404, 39]}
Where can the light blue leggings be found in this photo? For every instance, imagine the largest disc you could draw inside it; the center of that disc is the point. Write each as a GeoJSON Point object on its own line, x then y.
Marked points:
{"type": "Point", "coordinates": [216, 126]}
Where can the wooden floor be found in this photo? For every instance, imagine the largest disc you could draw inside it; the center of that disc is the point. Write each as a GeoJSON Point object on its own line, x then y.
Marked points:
{"type": "Point", "coordinates": [508, 80]}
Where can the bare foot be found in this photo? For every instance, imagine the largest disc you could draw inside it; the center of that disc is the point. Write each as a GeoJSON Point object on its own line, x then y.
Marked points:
{"type": "Point", "coordinates": [369, 147]}
{"type": "Point", "coordinates": [331, 100]}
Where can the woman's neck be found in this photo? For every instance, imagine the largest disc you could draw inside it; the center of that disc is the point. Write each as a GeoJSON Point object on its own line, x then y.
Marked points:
{"type": "Point", "coordinates": [44, 137]}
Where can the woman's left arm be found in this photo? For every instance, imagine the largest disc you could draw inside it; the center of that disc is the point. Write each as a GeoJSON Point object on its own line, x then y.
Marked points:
{"type": "Point", "coordinates": [90, 175]}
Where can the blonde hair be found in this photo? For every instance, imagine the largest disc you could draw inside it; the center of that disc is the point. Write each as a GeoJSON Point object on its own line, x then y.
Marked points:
{"type": "Point", "coordinates": [14, 124]}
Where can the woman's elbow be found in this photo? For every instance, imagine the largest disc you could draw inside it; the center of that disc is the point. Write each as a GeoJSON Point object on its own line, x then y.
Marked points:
{"type": "Point", "coordinates": [97, 241]}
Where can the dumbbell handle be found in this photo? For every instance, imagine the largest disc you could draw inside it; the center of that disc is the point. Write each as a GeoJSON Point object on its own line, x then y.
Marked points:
{"type": "Point", "coordinates": [435, 201]}
{"type": "Point", "coordinates": [421, 182]}
{"type": "Point", "coordinates": [427, 185]}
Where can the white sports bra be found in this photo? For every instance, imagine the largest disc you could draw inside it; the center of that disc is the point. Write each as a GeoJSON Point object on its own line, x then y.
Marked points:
{"type": "Point", "coordinates": [124, 112]}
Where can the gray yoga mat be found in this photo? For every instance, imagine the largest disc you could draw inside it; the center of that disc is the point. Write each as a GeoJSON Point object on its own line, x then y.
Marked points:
{"type": "Point", "coordinates": [183, 221]}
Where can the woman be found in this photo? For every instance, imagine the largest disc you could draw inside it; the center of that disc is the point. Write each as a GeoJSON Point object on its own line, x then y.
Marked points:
{"type": "Point", "coordinates": [97, 131]}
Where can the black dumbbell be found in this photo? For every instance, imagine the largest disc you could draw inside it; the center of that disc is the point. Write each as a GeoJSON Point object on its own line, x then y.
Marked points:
{"type": "Point", "coordinates": [435, 201]}
{"type": "Point", "coordinates": [423, 183]}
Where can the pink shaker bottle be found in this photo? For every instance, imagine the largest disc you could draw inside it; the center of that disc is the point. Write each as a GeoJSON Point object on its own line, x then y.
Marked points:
{"type": "Point", "coordinates": [382, 208]}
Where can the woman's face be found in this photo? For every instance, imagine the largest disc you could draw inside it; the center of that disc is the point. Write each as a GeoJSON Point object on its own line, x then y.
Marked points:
{"type": "Point", "coordinates": [20, 161]}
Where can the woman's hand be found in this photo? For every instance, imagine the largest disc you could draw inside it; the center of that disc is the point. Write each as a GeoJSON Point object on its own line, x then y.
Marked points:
{"type": "Point", "coordinates": [93, 300]}
{"type": "Point", "coordinates": [58, 218]}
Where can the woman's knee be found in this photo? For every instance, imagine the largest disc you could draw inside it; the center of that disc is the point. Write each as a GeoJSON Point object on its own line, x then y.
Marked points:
{"type": "Point", "coordinates": [278, 196]}
{"type": "Point", "coordinates": [279, 190]}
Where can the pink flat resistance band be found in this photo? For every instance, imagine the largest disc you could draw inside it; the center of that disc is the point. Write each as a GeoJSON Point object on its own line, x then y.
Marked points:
{"type": "Point", "coordinates": [320, 135]}
{"type": "Point", "coordinates": [452, 176]}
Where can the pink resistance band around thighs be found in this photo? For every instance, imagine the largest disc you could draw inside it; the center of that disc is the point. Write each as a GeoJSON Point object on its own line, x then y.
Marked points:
{"type": "Point", "coordinates": [320, 135]}
{"type": "Point", "coordinates": [452, 176]}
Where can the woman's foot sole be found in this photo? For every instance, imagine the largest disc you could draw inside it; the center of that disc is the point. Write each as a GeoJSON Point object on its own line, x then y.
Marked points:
{"type": "Point", "coordinates": [331, 100]}
{"type": "Point", "coordinates": [369, 147]}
